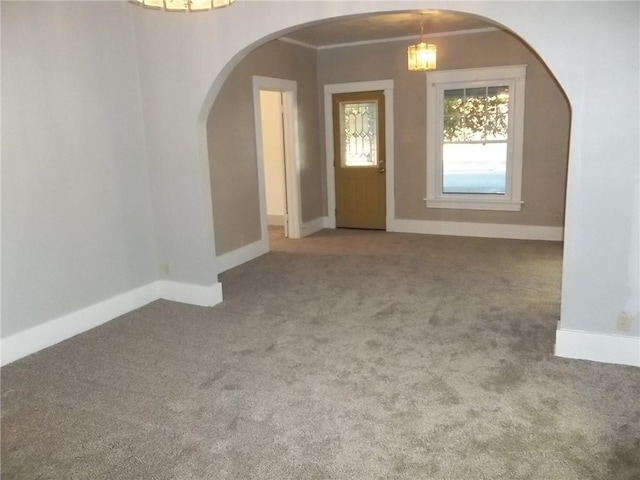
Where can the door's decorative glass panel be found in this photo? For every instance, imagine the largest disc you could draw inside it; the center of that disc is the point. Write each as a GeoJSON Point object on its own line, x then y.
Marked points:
{"type": "Point", "coordinates": [360, 130]}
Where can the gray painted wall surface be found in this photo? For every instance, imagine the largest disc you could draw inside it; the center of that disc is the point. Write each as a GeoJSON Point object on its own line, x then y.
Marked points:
{"type": "Point", "coordinates": [232, 145]}
{"type": "Point", "coordinates": [77, 223]}
{"type": "Point", "coordinates": [546, 136]}
{"type": "Point", "coordinates": [232, 148]}
{"type": "Point", "coordinates": [68, 241]}
{"type": "Point", "coordinates": [600, 270]}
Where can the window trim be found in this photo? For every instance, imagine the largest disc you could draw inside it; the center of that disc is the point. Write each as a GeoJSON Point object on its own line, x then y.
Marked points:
{"type": "Point", "coordinates": [437, 82]}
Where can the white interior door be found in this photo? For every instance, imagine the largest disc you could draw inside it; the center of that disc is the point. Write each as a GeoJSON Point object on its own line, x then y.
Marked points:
{"type": "Point", "coordinates": [285, 136]}
{"type": "Point", "coordinates": [273, 149]}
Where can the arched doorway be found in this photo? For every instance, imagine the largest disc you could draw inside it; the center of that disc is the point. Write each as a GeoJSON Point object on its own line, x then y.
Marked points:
{"type": "Point", "coordinates": [331, 53]}
{"type": "Point", "coordinates": [596, 288]}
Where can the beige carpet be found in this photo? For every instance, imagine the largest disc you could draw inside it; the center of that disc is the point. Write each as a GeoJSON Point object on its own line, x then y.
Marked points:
{"type": "Point", "coordinates": [346, 355]}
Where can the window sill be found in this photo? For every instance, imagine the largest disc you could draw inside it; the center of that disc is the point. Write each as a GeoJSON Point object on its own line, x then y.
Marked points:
{"type": "Point", "coordinates": [475, 204]}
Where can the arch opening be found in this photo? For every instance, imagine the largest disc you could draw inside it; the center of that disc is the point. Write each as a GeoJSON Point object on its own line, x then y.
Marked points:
{"type": "Point", "coordinates": [329, 52]}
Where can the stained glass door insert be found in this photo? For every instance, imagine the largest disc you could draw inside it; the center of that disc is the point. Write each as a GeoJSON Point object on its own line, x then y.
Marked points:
{"type": "Point", "coordinates": [359, 125]}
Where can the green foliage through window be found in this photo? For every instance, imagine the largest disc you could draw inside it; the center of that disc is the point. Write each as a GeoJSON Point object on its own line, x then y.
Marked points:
{"type": "Point", "coordinates": [476, 114]}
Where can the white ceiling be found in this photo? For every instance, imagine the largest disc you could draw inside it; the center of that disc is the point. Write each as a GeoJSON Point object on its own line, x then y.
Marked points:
{"type": "Point", "coordinates": [387, 25]}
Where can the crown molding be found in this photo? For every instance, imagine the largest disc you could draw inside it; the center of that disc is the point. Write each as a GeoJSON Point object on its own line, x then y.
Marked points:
{"type": "Point", "coordinates": [298, 42]}
{"type": "Point", "coordinates": [389, 40]}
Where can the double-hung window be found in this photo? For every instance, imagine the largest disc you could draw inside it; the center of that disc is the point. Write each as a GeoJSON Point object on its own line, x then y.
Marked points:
{"type": "Point", "coordinates": [475, 122]}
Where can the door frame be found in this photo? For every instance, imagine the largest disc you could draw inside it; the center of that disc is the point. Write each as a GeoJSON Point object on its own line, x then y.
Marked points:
{"type": "Point", "coordinates": [289, 89]}
{"type": "Point", "coordinates": [329, 90]}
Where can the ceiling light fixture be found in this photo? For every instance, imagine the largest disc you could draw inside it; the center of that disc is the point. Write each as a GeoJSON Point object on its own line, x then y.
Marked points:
{"type": "Point", "coordinates": [421, 56]}
{"type": "Point", "coordinates": [182, 5]}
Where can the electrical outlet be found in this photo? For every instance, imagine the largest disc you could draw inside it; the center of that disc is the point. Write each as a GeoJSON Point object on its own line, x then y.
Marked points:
{"type": "Point", "coordinates": [558, 219]}
{"type": "Point", "coordinates": [165, 269]}
{"type": "Point", "coordinates": [624, 322]}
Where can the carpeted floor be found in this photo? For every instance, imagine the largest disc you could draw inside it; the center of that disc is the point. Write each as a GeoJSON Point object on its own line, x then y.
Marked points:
{"type": "Point", "coordinates": [346, 355]}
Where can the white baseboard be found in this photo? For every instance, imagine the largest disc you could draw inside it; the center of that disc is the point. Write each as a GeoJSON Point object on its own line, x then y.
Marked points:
{"type": "Point", "coordinates": [55, 331]}
{"type": "Point", "coordinates": [241, 255]}
{"type": "Point", "coordinates": [467, 229]}
{"type": "Point", "coordinates": [598, 347]}
{"type": "Point", "coordinates": [309, 228]}
{"type": "Point", "coordinates": [204, 296]}
{"type": "Point", "coordinates": [329, 222]}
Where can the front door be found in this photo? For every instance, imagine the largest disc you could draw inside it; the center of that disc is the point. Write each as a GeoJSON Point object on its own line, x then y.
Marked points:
{"type": "Point", "coordinates": [359, 153]}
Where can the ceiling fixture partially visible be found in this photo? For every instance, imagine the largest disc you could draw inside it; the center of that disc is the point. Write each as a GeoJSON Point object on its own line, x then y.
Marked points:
{"type": "Point", "coordinates": [421, 56]}
{"type": "Point", "coordinates": [182, 5]}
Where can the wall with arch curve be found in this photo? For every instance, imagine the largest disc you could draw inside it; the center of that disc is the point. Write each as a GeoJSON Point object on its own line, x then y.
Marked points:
{"type": "Point", "coordinates": [601, 229]}
{"type": "Point", "coordinates": [175, 66]}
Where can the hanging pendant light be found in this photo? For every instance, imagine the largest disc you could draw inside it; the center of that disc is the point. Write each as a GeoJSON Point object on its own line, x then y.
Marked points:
{"type": "Point", "coordinates": [182, 5]}
{"type": "Point", "coordinates": [421, 56]}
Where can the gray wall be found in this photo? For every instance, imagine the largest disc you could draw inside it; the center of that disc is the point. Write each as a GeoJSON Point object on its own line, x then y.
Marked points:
{"type": "Point", "coordinates": [232, 145]}
{"type": "Point", "coordinates": [77, 223]}
{"type": "Point", "coordinates": [546, 135]}
{"type": "Point", "coordinates": [69, 241]}
{"type": "Point", "coordinates": [232, 149]}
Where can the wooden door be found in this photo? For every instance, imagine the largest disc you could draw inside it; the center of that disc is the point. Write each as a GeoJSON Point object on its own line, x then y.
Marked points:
{"type": "Point", "coordinates": [359, 160]}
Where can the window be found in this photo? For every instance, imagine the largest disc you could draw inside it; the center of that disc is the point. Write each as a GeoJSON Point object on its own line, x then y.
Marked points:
{"type": "Point", "coordinates": [475, 125]}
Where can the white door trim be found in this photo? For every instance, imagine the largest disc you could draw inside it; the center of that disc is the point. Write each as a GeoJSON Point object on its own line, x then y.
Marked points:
{"type": "Point", "coordinates": [289, 90]}
{"type": "Point", "coordinates": [329, 90]}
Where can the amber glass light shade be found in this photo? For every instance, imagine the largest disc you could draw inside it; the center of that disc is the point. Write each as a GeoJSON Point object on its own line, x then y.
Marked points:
{"type": "Point", "coordinates": [421, 57]}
